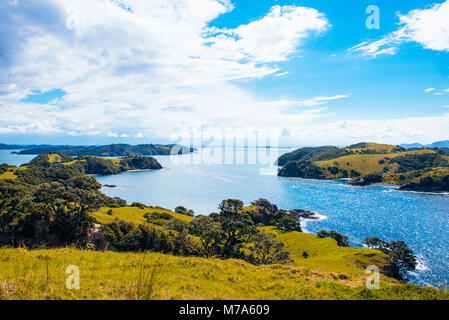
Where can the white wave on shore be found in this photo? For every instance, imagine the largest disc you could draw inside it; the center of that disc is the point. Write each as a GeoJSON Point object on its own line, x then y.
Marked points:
{"type": "Point", "coordinates": [421, 267]}
{"type": "Point", "coordinates": [305, 221]}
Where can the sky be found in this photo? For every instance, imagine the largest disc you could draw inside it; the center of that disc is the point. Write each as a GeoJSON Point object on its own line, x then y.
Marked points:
{"type": "Point", "coordinates": [310, 72]}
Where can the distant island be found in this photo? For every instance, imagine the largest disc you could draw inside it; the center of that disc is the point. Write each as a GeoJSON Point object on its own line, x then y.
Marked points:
{"type": "Point", "coordinates": [438, 144]}
{"type": "Point", "coordinates": [112, 150]}
{"type": "Point", "coordinates": [421, 170]}
{"type": "Point", "coordinates": [60, 166]}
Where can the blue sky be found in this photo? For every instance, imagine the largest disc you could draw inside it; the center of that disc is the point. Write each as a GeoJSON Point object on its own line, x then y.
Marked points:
{"type": "Point", "coordinates": [310, 71]}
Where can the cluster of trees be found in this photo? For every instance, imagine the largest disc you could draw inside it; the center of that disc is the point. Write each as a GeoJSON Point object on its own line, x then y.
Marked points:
{"type": "Point", "coordinates": [301, 169]}
{"type": "Point", "coordinates": [37, 173]}
{"type": "Point", "coordinates": [3, 168]}
{"type": "Point", "coordinates": [112, 150]}
{"type": "Point", "coordinates": [312, 154]}
{"type": "Point", "coordinates": [95, 165]}
{"type": "Point", "coordinates": [173, 238]}
{"type": "Point", "coordinates": [43, 169]}
{"type": "Point", "coordinates": [410, 162]}
{"type": "Point", "coordinates": [264, 213]}
{"type": "Point", "coordinates": [428, 184]}
{"type": "Point", "coordinates": [230, 233]}
{"type": "Point", "coordinates": [185, 211]}
{"type": "Point", "coordinates": [50, 214]}
{"type": "Point", "coordinates": [342, 241]}
{"type": "Point", "coordinates": [401, 256]}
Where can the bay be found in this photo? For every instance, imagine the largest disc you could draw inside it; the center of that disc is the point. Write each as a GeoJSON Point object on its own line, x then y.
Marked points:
{"type": "Point", "coordinates": [200, 181]}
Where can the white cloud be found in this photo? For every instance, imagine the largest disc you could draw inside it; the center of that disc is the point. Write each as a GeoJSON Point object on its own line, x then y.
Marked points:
{"type": "Point", "coordinates": [272, 38]}
{"type": "Point", "coordinates": [123, 64]}
{"type": "Point", "coordinates": [428, 27]}
{"type": "Point", "coordinates": [429, 90]}
{"type": "Point", "coordinates": [394, 131]}
{"type": "Point", "coordinates": [323, 100]}
{"type": "Point", "coordinates": [156, 68]}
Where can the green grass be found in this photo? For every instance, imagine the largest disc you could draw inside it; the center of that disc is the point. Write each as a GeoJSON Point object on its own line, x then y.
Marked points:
{"type": "Point", "coordinates": [375, 147]}
{"type": "Point", "coordinates": [9, 174]}
{"type": "Point", "coordinates": [415, 176]}
{"type": "Point", "coordinates": [41, 274]}
{"type": "Point", "coordinates": [365, 163]}
{"type": "Point", "coordinates": [324, 255]}
{"type": "Point", "coordinates": [132, 214]}
{"type": "Point", "coordinates": [53, 157]}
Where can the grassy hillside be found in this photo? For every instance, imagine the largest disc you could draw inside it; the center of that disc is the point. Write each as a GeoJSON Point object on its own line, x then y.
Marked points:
{"type": "Point", "coordinates": [367, 163]}
{"type": "Point", "coordinates": [41, 274]}
{"type": "Point", "coordinates": [37, 170]}
{"type": "Point", "coordinates": [371, 147]}
{"type": "Point", "coordinates": [133, 214]}
{"type": "Point", "coordinates": [420, 170]}
{"type": "Point", "coordinates": [324, 254]}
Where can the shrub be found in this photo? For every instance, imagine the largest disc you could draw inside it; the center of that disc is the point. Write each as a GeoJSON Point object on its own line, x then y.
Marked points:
{"type": "Point", "coordinates": [342, 241]}
{"type": "Point", "coordinates": [184, 211]}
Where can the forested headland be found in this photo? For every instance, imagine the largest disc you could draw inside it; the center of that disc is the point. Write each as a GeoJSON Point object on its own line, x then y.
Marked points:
{"type": "Point", "coordinates": [425, 170]}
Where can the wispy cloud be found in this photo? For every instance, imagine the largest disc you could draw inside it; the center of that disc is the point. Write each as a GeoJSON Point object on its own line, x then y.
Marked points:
{"type": "Point", "coordinates": [428, 27]}
{"type": "Point", "coordinates": [429, 90]}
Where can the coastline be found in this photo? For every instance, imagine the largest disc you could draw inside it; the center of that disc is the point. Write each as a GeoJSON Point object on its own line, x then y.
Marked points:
{"type": "Point", "coordinates": [306, 221]}
{"type": "Point", "coordinates": [116, 174]}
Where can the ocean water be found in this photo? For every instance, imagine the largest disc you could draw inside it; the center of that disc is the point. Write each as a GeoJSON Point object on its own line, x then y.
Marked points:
{"type": "Point", "coordinates": [6, 156]}
{"type": "Point", "coordinates": [200, 182]}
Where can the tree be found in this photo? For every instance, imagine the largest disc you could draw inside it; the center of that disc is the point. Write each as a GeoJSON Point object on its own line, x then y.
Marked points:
{"type": "Point", "coordinates": [342, 241]}
{"type": "Point", "coordinates": [238, 228]}
{"type": "Point", "coordinates": [177, 225]}
{"type": "Point", "coordinates": [185, 211]}
{"type": "Point", "coordinates": [84, 182]}
{"type": "Point", "coordinates": [401, 256]}
{"type": "Point", "coordinates": [289, 222]}
{"type": "Point", "coordinates": [230, 207]}
{"type": "Point", "coordinates": [123, 236]}
{"type": "Point", "coordinates": [267, 250]}
{"type": "Point", "coordinates": [209, 232]}
{"type": "Point", "coordinates": [264, 203]}
{"type": "Point", "coordinates": [374, 243]}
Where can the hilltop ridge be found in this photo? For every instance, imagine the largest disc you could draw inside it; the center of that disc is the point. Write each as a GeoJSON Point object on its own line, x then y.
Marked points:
{"type": "Point", "coordinates": [112, 150]}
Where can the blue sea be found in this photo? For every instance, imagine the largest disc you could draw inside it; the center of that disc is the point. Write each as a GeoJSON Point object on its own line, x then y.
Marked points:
{"type": "Point", "coordinates": [201, 181]}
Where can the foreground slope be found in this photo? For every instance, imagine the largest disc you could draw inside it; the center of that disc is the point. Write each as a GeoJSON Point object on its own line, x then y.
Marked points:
{"type": "Point", "coordinates": [41, 274]}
